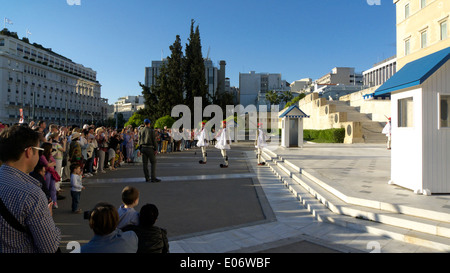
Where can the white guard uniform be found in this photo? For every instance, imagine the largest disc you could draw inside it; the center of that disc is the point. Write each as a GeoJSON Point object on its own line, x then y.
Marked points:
{"type": "Point", "coordinates": [387, 132]}
{"type": "Point", "coordinates": [260, 143]}
{"type": "Point", "coordinates": [223, 143]}
{"type": "Point", "coordinates": [203, 142]}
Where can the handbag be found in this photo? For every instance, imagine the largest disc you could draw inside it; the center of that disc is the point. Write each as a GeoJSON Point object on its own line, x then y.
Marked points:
{"type": "Point", "coordinates": [54, 174]}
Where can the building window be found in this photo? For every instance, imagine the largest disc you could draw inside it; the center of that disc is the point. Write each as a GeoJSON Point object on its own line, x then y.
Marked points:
{"type": "Point", "coordinates": [423, 39]}
{"type": "Point", "coordinates": [423, 3]}
{"type": "Point", "coordinates": [406, 11]}
{"type": "Point", "coordinates": [2, 42]}
{"type": "Point", "coordinates": [445, 111]}
{"type": "Point", "coordinates": [405, 112]}
{"type": "Point", "coordinates": [443, 30]}
{"type": "Point", "coordinates": [407, 47]}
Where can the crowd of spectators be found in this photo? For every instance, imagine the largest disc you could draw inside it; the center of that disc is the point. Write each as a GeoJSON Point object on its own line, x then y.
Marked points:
{"type": "Point", "coordinates": [94, 149]}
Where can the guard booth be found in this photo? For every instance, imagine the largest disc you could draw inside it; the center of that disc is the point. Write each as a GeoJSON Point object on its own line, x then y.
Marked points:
{"type": "Point", "coordinates": [292, 127]}
{"type": "Point", "coordinates": [420, 99]}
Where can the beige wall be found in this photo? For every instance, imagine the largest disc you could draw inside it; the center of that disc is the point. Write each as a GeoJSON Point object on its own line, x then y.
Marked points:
{"type": "Point", "coordinates": [429, 19]}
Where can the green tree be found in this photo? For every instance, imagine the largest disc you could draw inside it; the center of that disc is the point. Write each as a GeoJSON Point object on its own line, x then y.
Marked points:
{"type": "Point", "coordinates": [136, 120]}
{"type": "Point", "coordinates": [194, 69]}
{"type": "Point", "coordinates": [180, 80]}
{"type": "Point", "coordinates": [175, 72]}
{"type": "Point", "coordinates": [272, 97]}
{"type": "Point", "coordinates": [150, 102]}
{"type": "Point", "coordinates": [223, 99]}
{"type": "Point", "coordinates": [164, 121]}
{"type": "Point", "coordinates": [286, 96]}
{"type": "Point", "coordinates": [295, 100]}
{"type": "Point", "coordinates": [116, 120]}
{"type": "Point", "coordinates": [167, 92]}
{"type": "Point", "coordinates": [169, 84]}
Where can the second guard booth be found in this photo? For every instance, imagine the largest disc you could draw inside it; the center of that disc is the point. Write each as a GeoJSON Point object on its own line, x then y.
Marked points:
{"type": "Point", "coordinates": [292, 127]}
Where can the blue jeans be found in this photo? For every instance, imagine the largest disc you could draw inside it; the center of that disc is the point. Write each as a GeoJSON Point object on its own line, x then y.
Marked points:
{"type": "Point", "coordinates": [75, 199]}
{"type": "Point", "coordinates": [159, 146]}
{"type": "Point", "coordinates": [90, 165]}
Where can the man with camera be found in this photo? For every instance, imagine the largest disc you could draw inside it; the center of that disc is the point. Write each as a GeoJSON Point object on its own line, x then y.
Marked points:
{"type": "Point", "coordinates": [147, 144]}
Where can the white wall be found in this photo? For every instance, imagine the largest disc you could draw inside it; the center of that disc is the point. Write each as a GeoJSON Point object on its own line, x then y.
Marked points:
{"type": "Point", "coordinates": [406, 156]}
{"type": "Point", "coordinates": [436, 141]}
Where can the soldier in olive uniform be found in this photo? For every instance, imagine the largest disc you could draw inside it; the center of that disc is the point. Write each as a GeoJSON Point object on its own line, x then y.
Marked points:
{"type": "Point", "coordinates": [147, 142]}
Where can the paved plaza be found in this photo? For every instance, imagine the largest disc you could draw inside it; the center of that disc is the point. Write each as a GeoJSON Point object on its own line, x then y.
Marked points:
{"type": "Point", "coordinates": [242, 209]}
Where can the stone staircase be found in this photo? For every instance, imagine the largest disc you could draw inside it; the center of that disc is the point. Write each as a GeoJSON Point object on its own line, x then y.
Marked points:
{"type": "Point", "coordinates": [425, 228]}
{"type": "Point", "coordinates": [370, 130]}
{"type": "Point", "coordinates": [360, 127]}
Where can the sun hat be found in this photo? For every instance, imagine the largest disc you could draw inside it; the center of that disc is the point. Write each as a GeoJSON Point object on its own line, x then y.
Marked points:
{"type": "Point", "coordinates": [76, 135]}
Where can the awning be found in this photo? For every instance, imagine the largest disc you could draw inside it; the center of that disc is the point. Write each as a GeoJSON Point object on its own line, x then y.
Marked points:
{"type": "Point", "coordinates": [294, 112]}
{"type": "Point", "coordinates": [371, 96]}
{"type": "Point", "coordinates": [415, 72]}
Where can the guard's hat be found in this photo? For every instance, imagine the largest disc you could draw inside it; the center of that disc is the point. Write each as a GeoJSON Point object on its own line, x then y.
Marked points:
{"type": "Point", "coordinates": [147, 121]}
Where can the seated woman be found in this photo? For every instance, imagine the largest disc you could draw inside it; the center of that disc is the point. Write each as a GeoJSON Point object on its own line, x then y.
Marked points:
{"type": "Point", "coordinates": [152, 239]}
{"type": "Point", "coordinates": [107, 237]}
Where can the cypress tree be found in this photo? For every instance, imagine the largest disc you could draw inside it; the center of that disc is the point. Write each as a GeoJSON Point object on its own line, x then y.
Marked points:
{"type": "Point", "coordinates": [180, 79]}
{"type": "Point", "coordinates": [194, 69]}
{"type": "Point", "coordinates": [175, 73]}
{"type": "Point", "coordinates": [168, 90]}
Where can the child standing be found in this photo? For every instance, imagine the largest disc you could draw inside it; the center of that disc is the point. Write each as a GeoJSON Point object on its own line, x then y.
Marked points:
{"type": "Point", "coordinates": [77, 187]}
{"type": "Point", "coordinates": [127, 214]}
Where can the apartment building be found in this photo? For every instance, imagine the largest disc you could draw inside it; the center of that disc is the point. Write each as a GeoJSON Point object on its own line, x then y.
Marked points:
{"type": "Point", "coordinates": [380, 72]}
{"type": "Point", "coordinates": [127, 105]}
{"type": "Point", "coordinates": [44, 85]}
{"type": "Point", "coordinates": [253, 87]}
{"type": "Point", "coordinates": [422, 28]}
{"type": "Point", "coordinates": [341, 75]}
{"type": "Point", "coordinates": [301, 86]}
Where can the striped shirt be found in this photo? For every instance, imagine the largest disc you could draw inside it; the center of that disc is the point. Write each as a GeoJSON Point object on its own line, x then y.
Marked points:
{"type": "Point", "coordinates": [24, 198]}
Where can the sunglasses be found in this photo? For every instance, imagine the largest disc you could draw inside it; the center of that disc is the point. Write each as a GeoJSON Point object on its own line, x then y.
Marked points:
{"type": "Point", "coordinates": [36, 148]}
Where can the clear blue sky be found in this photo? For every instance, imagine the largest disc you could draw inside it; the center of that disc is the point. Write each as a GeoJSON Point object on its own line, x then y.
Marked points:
{"type": "Point", "coordinates": [297, 38]}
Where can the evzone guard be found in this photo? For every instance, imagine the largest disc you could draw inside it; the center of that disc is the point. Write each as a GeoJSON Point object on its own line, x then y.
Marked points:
{"type": "Point", "coordinates": [260, 143]}
{"type": "Point", "coordinates": [203, 142]}
{"type": "Point", "coordinates": [223, 143]}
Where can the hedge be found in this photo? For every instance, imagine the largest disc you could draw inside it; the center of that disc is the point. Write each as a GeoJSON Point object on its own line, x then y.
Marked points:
{"type": "Point", "coordinates": [335, 135]}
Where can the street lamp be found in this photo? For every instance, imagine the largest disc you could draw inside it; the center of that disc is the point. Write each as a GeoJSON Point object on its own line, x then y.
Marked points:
{"type": "Point", "coordinates": [117, 116]}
